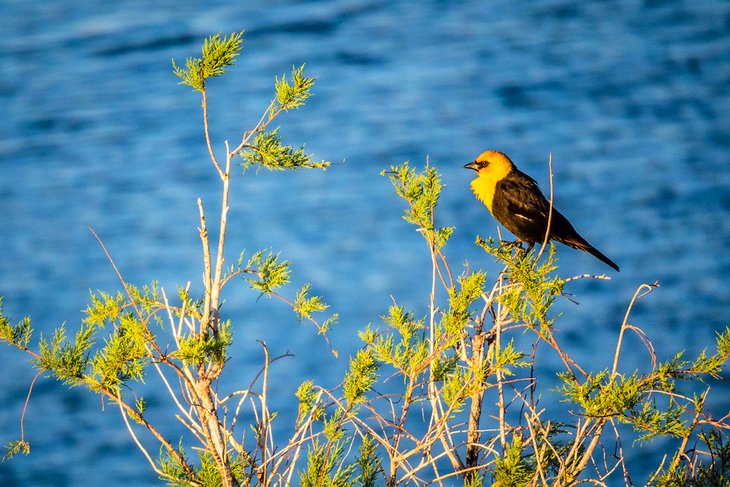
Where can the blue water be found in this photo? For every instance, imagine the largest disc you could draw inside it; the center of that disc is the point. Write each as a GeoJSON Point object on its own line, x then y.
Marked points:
{"type": "Point", "coordinates": [631, 98]}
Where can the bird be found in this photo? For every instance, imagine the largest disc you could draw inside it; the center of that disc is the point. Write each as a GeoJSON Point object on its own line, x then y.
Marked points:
{"type": "Point", "coordinates": [514, 199]}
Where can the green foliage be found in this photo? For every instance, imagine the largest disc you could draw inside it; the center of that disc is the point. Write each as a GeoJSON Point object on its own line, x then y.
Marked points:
{"type": "Point", "coordinates": [507, 357]}
{"type": "Point", "coordinates": [601, 394]}
{"type": "Point", "coordinates": [723, 347]}
{"type": "Point", "coordinates": [16, 447]}
{"type": "Point", "coordinates": [304, 305]}
{"type": "Point", "coordinates": [327, 324]}
{"type": "Point", "coordinates": [209, 475]}
{"type": "Point", "coordinates": [474, 481]}
{"type": "Point", "coordinates": [18, 335]}
{"type": "Point", "coordinates": [268, 151]}
{"type": "Point", "coordinates": [207, 347]}
{"type": "Point", "coordinates": [292, 95]}
{"type": "Point", "coordinates": [457, 386]}
{"type": "Point", "coordinates": [712, 365]}
{"type": "Point", "coordinates": [421, 191]}
{"type": "Point", "coordinates": [104, 308]}
{"type": "Point", "coordinates": [368, 335]}
{"type": "Point", "coordinates": [173, 470]}
{"type": "Point", "coordinates": [307, 395]}
{"type": "Point", "coordinates": [717, 470]}
{"type": "Point", "coordinates": [368, 464]}
{"type": "Point", "coordinates": [656, 419]}
{"type": "Point", "coordinates": [217, 55]}
{"type": "Point", "coordinates": [406, 353]}
{"type": "Point", "coordinates": [270, 273]}
{"type": "Point", "coordinates": [324, 466]}
{"type": "Point", "coordinates": [454, 322]}
{"type": "Point", "coordinates": [514, 468]}
{"type": "Point", "coordinates": [187, 302]}
{"type": "Point", "coordinates": [535, 289]}
{"type": "Point", "coordinates": [360, 378]}
{"type": "Point", "coordinates": [713, 473]}
{"type": "Point", "coordinates": [642, 399]}
{"type": "Point", "coordinates": [66, 360]}
{"type": "Point", "coordinates": [123, 357]}
{"type": "Point", "coordinates": [140, 405]}
{"type": "Point", "coordinates": [206, 474]}
{"type": "Point", "coordinates": [444, 367]}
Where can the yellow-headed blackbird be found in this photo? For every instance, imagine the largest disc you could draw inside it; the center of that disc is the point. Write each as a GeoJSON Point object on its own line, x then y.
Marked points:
{"type": "Point", "coordinates": [515, 201]}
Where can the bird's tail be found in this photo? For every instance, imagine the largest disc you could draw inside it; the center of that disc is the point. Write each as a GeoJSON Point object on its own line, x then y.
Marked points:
{"type": "Point", "coordinates": [581, 244]}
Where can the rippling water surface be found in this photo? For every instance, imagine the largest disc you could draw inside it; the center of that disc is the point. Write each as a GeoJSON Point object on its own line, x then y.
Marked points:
{"type": "Point", "coordinates": [631, 98]}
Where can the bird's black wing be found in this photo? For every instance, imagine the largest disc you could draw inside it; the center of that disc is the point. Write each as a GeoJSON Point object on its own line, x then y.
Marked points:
{"type": "Point", "coordinates": [520, 206]}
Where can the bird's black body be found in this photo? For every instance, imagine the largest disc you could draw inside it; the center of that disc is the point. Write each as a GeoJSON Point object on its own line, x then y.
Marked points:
{"type": "Point", "coordinates": [523, 210]}
{"type": "Point", "coordinates": [515, 201]}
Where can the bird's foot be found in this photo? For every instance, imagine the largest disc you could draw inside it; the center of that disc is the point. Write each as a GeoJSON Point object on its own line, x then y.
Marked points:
{"type": "Point", "coordinates": [510, 243]}
{"type": "Point", "coordinates": [521, 246]}
{"type": "Point", "coordinates": [517, 243]}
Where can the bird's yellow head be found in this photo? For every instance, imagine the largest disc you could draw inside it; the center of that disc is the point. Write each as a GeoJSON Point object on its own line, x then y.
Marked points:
{"type": "Point", "coordinates": [491, 167]}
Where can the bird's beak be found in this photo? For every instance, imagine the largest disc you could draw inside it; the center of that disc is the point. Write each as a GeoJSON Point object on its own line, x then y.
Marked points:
{"type": "Point", "coordinates": [472, 165]}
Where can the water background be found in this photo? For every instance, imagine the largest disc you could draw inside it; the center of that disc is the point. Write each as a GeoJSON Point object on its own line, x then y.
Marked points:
{"type": "Point", "coordinates": [631, 98]}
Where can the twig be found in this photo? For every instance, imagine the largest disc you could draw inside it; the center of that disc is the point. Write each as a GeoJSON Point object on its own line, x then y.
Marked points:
{"type": "Point", "coordinates": [641, 291]}
{"type": "Point", "coordinates": [690, 429]}
{"type": "Point", "coordinates": [126, 409]}
{"type": "Point", "coordinates": [207, 136]}
{"type": "Point", "coordinates": [203, 230]}
{"type": "Point", "coordinates": [245, 392]}
{"type": "Point", "coordinates": [186, 372]}
{"type": "Point", "coordinates": [498, 372]}
{"type": "Point", "coordinates": [136, 440]}
{"type": "Point", "coordinates": [539, 452]}
{"type": "Point", "coordinates": [25, 406]}
{"type": "Point", "coordinates": [219, 260]}
{"type": "Point", "coordinates": [116, 270]}
{"type": "Point", "coordinates": [265, 420]}
{"type": "Point", "coordinates": [550, 212]}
